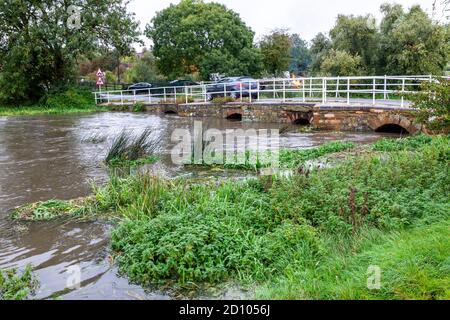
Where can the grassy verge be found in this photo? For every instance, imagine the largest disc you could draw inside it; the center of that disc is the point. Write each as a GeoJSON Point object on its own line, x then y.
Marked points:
{"type": "Point", "coordinates": [310, 236]}
{"type": "Point", "coordinates": [14, 286]}
{"type": "Point", "coordinates": [70, 101]}
{"type": "Point", "coordinates": [288, 158]}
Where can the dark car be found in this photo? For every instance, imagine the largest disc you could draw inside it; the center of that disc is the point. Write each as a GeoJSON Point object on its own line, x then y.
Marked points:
{"type": "Point", "coordinates": [234, 87]}
{"type": "Point", "coordinates": [182, 83]}
{"type": "Point", "coordinates": [141, 87]}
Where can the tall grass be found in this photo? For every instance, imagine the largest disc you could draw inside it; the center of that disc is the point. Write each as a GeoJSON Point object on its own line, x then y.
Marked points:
{"type": "Point", "coordinates": [127, 148]}
{"type": "Point", "coordinates": [259, 232]}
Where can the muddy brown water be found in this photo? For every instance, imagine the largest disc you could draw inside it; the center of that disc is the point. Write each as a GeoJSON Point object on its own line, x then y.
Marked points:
{"type": "Point", "coordinates": [53, 157]}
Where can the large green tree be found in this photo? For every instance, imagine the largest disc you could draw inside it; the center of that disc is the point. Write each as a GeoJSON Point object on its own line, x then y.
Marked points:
{"type": "Point", "coordinates": [276, 51]}
{"type": "Point", "coordinates": [357, 35]}
{"type": "Point", "coordinates": [341, 63]}
{"type": "Point", "coordinates": [300, 56]}
{"type": "Point", "coordinates": [412, 43]}
{"type": "Point", "coordinates": [320, 46]}
{"type": "Point", "coordinates": [197, 37]}
{"type": "Point", "coordinates": [41, 41]}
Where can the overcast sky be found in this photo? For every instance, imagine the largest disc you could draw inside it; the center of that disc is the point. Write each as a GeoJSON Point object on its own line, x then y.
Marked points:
{"type": "Point", "coordinates": [305, 17]}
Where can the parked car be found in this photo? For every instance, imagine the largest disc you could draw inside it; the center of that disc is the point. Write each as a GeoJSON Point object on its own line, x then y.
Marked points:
{"type": "Point", "coordinates": [141, 87]}
{"type": "Point", "coordinates": [183, 83]}
{"type": "Point", "coordinates": [233, 87]}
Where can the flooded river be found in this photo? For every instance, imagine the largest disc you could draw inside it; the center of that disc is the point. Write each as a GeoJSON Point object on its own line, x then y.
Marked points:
{"type": "Point", "coordinates": [55, 157]}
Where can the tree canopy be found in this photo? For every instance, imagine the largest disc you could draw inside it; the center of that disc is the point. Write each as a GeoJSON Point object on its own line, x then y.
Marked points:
{"type": "Point", "coordinates": [198, 37]}
{"type": "Point", "coordinates": [40, 45]}
{"type": "Point", "coordinates": [276, 50]}
{"type": "Point", "coordinates": [404, 43]}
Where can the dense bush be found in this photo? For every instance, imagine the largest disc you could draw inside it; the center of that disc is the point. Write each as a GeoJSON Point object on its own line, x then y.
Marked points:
{"type": "Point", "coordinates": [252, 231]}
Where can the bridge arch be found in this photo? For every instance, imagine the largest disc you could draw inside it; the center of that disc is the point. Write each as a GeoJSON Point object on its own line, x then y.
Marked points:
{"type": "Point", "coordinates": [170, 110]}
{"type": "Point", "coordinates": [234, 116]}
{"type": "Point", "coordinates": [300, 118]}
{"type": "Point", "coordinates": [396, 123]}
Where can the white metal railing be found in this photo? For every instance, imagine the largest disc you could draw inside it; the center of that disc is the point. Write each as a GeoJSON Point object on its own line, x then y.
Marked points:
{"type": "Point", "coordinates": [348, 90]}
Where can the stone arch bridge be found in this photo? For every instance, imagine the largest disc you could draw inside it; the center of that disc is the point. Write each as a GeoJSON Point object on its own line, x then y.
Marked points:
{"type": "Point", "coordinates": [338, 117]}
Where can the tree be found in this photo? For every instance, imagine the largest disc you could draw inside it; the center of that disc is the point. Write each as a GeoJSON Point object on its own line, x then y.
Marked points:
{"type": "Point", "coordinates": [341, 63]}
{"type": "Point", "coordinates": [433, 102]}
{"type": "Point", "coordinates": [193, 35]}
{"type": "Point", "coordinates": [144, 70]}
{"type": "Point", "coordinates": [40, 44]}
{"type": "Point", "coordinates": [357, 36]}
{"type": "Point", "coordinates": [300, 56]}
{"type": "Point", "coordinates": [320, 46]}
{"type": "Point", "coordinates": [412, 43]}
{"type": "Point", "coordinates": [276, 50]}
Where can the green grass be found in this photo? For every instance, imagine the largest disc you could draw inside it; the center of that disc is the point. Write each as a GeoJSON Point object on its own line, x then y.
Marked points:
{"type": "Point", "coordinates": [15, 286]}
{"type": "Point", "coordinates": [288, 158]}
{"type": "Point", "coordinates": [309, 236]}
{"type": "Point", "coordinates": [414, 265]}
{"type": "Point", "coordinates": [408, 143]}
{"type": "Point", "coordinates": [69, 101]}
{"type": "Point", "coordinates": [269, 228]}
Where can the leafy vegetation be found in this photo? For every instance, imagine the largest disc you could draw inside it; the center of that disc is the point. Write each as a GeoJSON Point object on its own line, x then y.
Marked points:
{"type": "Point", "coordinates": [309, 236]}
{"type": "Point", "coordinates": [180, 50]}
{"type": "Point", "coordinates": [409, 143]}
{"type": "Point", "coordinates": [31, 66]}
{"type": "Point", "coordinates": [433, 102]}
{"type": "Point", "coordinates": [14, 286]}
{"type": "Point", "coordinates": [280, 229]}
{"type": "Point", "coordinates": [68, 101]}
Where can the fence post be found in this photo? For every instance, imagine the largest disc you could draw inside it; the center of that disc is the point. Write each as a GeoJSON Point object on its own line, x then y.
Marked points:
{"type": "Point", "coordinates": [348, 91]}
{"type": "Point", "coordinates": [258, 89]}
{"type": "Point", "coordinates": [303, 89]}
{"type": "Point", "coordinates": [385, 87]}
{"type": "Point", "coordinates": [324, 90]}
{"type": "Point", "coordinates": [240, 91]}
{"type": "Point", "coordinates": [186, 94]}
{"type": "Point", "coordinates": [134, 96]}
{"type": "Point", "coordinates": [249, 91]}
{"type": "Point", "coordinates": [284, 90]}
{"type": "Point", "coordinates": [175, 91]}
{"type": "Point", "coordinates": [374, 91]}
{"type": "Point", "coordinates": [121, 97]}
{"type": "Point", "coordinates": [337, 87]}
{"type": "Point", "coordinates": [205, 93]}
{"type": "Point", "coordinates": [403, 90]}
{"type": "Point", "coordinates": [165, 99]}
{"type": "Point", "coordinates": [149, 95]}
{"type": "Point", "coordinates": [310, 87]}
{"type": "Point", "coordinates": [108, 98]}
{"type": "Point", "coordinates": [274, 88]}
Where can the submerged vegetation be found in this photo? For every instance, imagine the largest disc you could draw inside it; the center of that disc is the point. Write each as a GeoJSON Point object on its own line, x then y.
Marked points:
{"type": "Point", "coordinates": [309, 236]}
{"type": "Point", "coordinates": [14, 286]}
{"type": "Point", "coordinates": [129, 150]}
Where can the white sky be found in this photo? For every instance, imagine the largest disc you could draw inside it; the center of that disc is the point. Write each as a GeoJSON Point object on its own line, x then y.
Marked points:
{"type": "Point", "coordinates": [305, 17]}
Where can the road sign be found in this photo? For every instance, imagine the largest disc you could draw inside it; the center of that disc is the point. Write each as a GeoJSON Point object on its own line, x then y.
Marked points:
{"type": "Point", "coordinates": [100, 81]}
{"type": "Point", "coordinates": [99, 73]}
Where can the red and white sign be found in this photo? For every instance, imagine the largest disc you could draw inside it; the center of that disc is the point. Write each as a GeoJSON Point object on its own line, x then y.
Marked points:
{"type": "Point", "coordinates": [100, 81]}
{"type": "Point", "coordinates": [99, 73]}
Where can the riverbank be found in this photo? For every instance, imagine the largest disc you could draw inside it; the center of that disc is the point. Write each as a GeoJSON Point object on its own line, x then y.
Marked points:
{"type": "Point", "coordinates": [314, 235]}
{"type": "Point", "coordinates": [71, 101]}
